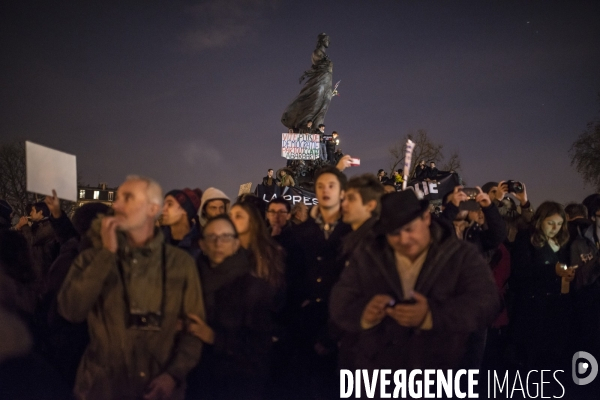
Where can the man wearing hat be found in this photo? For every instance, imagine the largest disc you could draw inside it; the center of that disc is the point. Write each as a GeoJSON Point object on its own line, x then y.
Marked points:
{"type": "Point", "coordinates": [179, 220]}
{"type": "Point", "coordinates": [414, 292]}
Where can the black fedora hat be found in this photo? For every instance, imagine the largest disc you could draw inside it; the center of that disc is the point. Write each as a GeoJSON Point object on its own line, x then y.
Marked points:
{"type": "Point", "coordinates": [400, 208]}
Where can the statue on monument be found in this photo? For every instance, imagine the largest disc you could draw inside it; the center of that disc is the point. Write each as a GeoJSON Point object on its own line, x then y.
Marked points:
{"type": "Point", "coordinates": [313, 100]}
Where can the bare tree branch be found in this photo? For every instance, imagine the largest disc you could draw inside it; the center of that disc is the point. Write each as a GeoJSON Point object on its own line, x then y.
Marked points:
{"type": "Point", "coordinates": [453, 163]}
{"type": "Point", "coordinates": [585, 154]}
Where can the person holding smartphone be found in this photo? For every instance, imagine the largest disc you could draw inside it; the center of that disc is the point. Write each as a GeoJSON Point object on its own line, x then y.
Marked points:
{"type": "Point", "coordinates": [415, 259]}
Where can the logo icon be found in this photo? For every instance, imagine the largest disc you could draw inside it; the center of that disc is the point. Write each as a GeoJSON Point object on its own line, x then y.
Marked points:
{"type": "Point", "coordinates": [580, 367]}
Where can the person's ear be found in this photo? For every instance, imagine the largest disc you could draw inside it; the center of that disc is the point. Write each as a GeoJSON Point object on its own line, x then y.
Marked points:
{"type": "Point", "coordinates": [371, 205]}
{"type": "Point", "coordinates": [203, 246]}
{"type": "Point", "coordinates": [427, 217]}
{"type": "Point", "coordinates": [236, 244]}
{"type": "Point", "coordinates": [154, 210]}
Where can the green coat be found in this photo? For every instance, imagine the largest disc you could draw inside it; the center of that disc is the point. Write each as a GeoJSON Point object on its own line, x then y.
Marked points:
{"type": "Point", "coordinates": [120, 361]}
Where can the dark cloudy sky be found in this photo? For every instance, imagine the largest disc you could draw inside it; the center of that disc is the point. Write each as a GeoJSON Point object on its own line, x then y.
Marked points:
{"type": "Point", "coordinates": [192, 93]}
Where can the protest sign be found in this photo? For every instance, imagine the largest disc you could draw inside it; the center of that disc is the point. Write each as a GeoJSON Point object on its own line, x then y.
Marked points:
{"type": "Point", "coordinates": [300, 146]}
{"type": "Point", "coordinates": [444, 183]}
{"type": "Point", "coordinates": [49, 169]}
{"type": "Point", "coordinates": [292, 194]}
{"type": "Point", "coordinates": [245, 188]}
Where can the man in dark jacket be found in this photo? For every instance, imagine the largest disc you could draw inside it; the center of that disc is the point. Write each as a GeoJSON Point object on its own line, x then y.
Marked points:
{"type": "Point", "coordinates": [360, 209]}
{"type": "Point", "coordinates": [313, 267]}
{"type": "Point", "coordinates": [41, 238]}
{"type": "Point", "coordinates": [331, 141]}
{"type": "Point", "coordinates": [179, 220]}
{"type": "Point", "coordinates": [422, 171]}
{"type": "Point", "coordinates": [268, 180]}
{"type": "Point", "coordinates": [432, 172]}
{"type": "Point", "coordinates": [414, 293]}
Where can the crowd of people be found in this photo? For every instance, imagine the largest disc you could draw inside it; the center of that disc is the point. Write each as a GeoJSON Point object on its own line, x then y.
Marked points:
{"type": "Point", "coordinates": [188, 295]}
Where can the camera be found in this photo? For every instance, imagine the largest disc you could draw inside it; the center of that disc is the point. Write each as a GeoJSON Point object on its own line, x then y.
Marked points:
{"type": "Point", "coordinates": [470, 204]}
{"type": "Point", "coordinates": [515, 186]}
{"type": "Point", "coordinates": [146, 322]}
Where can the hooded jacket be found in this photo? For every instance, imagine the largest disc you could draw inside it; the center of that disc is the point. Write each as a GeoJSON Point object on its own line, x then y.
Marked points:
{"type": "Point", "coordinates": [212, 194]}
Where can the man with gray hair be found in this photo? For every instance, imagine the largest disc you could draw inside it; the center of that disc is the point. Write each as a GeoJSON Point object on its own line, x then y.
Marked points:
{"type": "Point", "coordinates": [133, 290]}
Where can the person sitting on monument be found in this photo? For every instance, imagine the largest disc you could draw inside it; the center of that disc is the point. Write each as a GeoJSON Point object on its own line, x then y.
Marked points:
{"type": "Point", "coordinates": [308, 128]}
{"type": "Point", "coordinates": [269, 180]}
{"type": "Point", "coordinates": [286, 179]}
{"type": "Point", "coordinates": [422, 171]}
{"type": "Point", "coordinates": [322, 148]}
{"type": "Point", "coordinates": [432, 173]}
{"type": "Point", "coordinates": [330, 144]}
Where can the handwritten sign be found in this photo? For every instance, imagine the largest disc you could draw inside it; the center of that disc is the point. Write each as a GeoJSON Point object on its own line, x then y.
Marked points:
{"type": "Point", "coordinates": [300, 146]}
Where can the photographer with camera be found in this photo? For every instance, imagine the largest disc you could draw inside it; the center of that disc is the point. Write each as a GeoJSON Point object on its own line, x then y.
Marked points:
{"type": "Point", "coordinates": [516, 216]}
{"type": "Point", "coordinates": [475, 218]}
{"type": "Point", "coordinates": [133, 289]}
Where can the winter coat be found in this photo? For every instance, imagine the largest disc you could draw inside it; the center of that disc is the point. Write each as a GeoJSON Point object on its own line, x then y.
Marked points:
{"type": "Point", "coordinates": [121, 360]}
{"type": "Point", "coordinates": [353, 239]}
{"type": "Point", "coordinates": [287, 180]}
{"type": "Point", "coordinates": [500, 264]}
{"type": "Point", "coordinates": [189, 243]}
{"type": "Point", "coordinates": [265, 181]}
{"type": "Point", "coordinates": [516, 217]}
{"type": "Point", "coordinates": [583, 252]}
{"type": "Point", "coordinates": [313, 266]}
{"type": "Point", "coordinates": [540, 319]}
{"type": "Point", "coordinates": [459, 288]}
{"type": "Point", "coordinates": [421, 173]}
{"type": "Point", "coordinates": [239, 309]}
{"type": "Point", "coordinates": [43, 244]}
{"type": "Point", "coordinates": [432, 173]}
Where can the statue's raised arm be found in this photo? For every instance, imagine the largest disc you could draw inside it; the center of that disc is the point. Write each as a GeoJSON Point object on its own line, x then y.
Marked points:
{"type": "Point", "coordinates": [313, 100]}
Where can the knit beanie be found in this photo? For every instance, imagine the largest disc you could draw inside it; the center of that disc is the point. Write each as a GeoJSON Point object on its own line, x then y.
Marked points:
{"type": "Point", "coordinates": [188, 199]}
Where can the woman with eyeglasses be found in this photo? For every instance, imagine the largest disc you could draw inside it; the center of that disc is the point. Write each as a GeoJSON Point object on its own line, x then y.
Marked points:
{"type": "Point", "coordinates": [238, 329]}
{"type": "Point", "coordinates": [540, 280]}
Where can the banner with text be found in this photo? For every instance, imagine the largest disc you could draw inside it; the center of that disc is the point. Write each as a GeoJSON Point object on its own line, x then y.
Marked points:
{"type": "Point", "coordinates": [444, 183]}
{"type": "Point", "coordinates": [292, 194]}
{"type": "Point", "coordinates": [300, 146]}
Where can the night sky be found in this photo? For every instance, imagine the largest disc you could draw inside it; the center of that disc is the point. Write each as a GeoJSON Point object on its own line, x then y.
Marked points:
{"type": "Point", "coordinates": [191, 93]}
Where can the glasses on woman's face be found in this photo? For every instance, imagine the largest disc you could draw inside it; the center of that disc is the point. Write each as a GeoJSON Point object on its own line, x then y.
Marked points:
{"type": "Point", "coordinates": [225, 238]}
{"type": "Point", "coordinates": [277, 212]}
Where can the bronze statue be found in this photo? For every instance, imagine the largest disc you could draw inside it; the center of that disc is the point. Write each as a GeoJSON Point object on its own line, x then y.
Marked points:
{"type": "Point", "coordinates": [314, 98]}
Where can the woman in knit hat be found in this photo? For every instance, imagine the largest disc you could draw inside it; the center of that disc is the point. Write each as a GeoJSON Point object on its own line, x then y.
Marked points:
{"type": "Point", "coordinates": [179, 220]}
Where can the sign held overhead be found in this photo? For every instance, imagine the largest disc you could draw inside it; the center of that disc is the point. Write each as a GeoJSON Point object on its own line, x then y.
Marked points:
{"type": "Point", "coordinates": [49, 169]}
